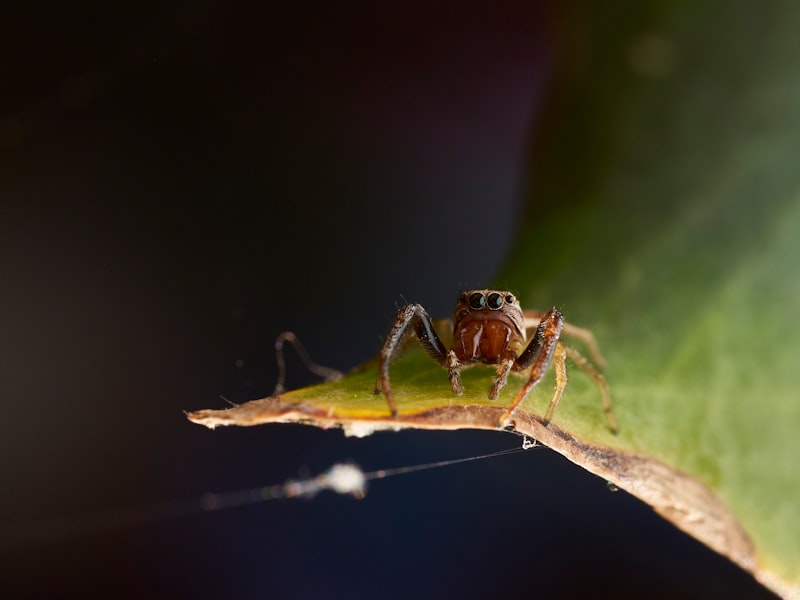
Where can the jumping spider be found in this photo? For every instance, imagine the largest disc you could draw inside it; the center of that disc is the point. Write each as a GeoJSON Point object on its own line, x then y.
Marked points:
{"type": "Point", "coordinates": [489, 327]}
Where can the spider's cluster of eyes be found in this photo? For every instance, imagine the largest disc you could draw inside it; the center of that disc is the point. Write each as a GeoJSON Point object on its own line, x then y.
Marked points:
{"type": "Point", "coordinates": [494, 300]}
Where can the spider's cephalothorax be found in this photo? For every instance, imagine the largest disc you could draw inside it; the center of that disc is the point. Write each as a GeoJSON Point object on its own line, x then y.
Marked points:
{"type": "Point", "coordinates": [489, 327]}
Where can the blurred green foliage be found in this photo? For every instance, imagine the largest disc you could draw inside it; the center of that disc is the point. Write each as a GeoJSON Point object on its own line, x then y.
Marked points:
{"type": "Point", "coordinates": [676, 238]}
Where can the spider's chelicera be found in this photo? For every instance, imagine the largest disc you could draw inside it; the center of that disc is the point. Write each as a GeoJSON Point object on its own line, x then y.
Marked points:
{"type": "Point", "coordinates": [490, 328]}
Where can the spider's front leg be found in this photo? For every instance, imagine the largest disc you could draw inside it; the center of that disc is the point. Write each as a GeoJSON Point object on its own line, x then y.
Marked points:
{"type": "Point", "coordinates": [415, 316]}
{"type": "Point", "coordinates": [546, 347]}
{"type": "Point", "coordinates": [540, 352]}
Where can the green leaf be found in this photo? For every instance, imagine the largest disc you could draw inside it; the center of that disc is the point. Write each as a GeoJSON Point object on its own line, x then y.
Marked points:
{"type": "Point", "coordinates": [665, 216]}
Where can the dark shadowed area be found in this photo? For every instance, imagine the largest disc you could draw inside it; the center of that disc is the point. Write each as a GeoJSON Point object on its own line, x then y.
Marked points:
{"type": "Point", "coordinates": [178, 185]}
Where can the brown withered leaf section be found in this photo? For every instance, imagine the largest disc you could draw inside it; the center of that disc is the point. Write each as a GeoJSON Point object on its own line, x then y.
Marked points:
{"type": "Point", "coordinates": [684, 501]}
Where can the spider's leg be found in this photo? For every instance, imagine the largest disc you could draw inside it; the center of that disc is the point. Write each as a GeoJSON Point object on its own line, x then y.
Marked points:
{"type": "Point", "coordinates": [533, 318]}
{"type": "Point", "coordinates": [560, 365]}
{"type": "Point", "coordinates": [538, 355]}
{"type": "Point", "coordinates": [588, 339]}
{"type": "Point", "coordinates": [416, 316]}
{"type": "Point", "coordinates": [601, 382]}
{"type": "Point", "coordinates": [287, 336]}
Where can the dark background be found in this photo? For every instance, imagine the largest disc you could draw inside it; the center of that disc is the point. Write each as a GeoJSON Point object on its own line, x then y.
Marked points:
{"type": "Point", "coordinates": [177, 186]}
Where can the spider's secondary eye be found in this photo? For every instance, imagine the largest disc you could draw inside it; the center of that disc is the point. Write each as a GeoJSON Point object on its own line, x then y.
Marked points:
{"type": "Point", "coordinates": [510, 299]}
{"type": "Point", "coordinates": [477, 300]}
{"type": "Point", "coordinates": [495, 301]}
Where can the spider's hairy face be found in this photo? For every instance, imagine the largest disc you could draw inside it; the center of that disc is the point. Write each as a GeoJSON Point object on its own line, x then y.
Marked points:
{"type": "Point", "coordinates": [488, 326]}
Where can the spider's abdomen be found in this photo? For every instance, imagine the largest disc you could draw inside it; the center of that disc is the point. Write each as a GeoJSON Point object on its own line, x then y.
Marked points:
{"type": "Point", "coordinates": [486, 340]}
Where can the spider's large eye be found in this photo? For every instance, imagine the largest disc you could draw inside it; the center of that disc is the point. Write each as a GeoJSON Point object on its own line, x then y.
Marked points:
{"type": "Point", "coordinates": [477, 300]}
{"type": "Point", "coordinates": [495, 300]}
